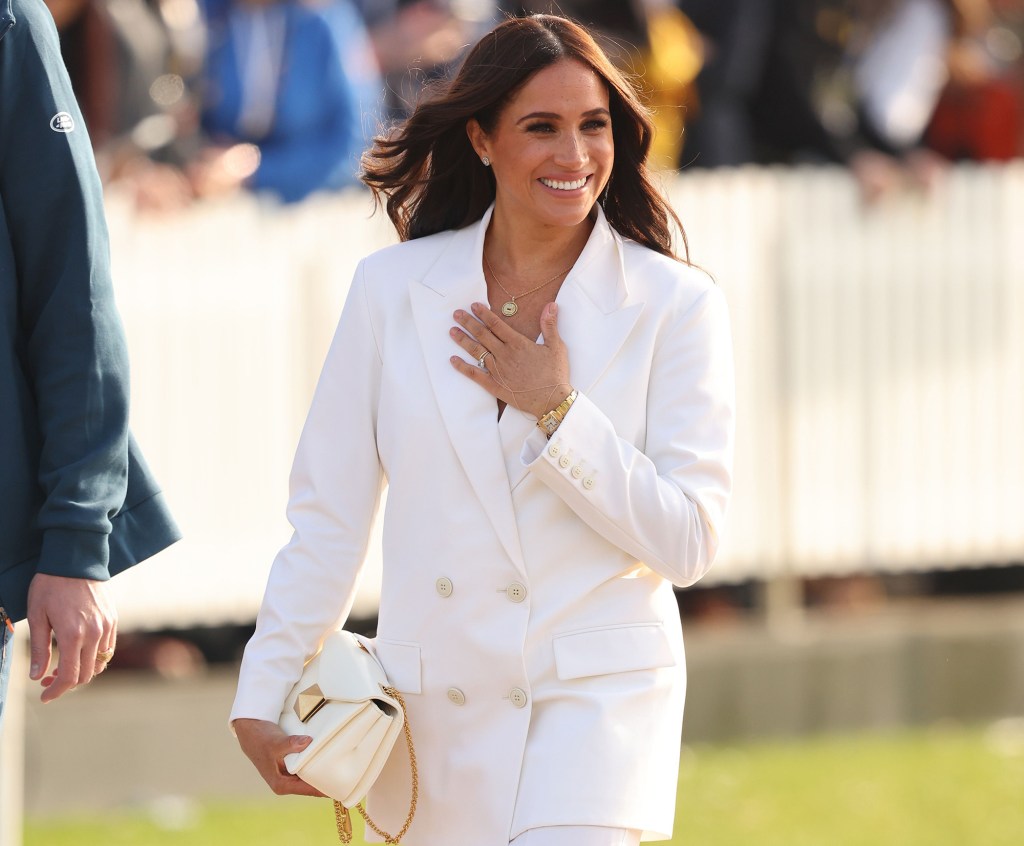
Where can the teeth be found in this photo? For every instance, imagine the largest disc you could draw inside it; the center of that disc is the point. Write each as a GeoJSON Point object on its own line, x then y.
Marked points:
{"type": "Point", "coordinates": [565, 186]}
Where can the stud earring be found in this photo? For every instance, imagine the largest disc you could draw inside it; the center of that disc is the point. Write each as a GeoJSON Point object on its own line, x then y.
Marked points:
{"type": "Point", "coordinates": [486, 161]}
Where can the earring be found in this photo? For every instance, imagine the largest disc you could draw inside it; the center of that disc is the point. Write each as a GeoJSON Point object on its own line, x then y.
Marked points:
{"type": "Point", "coordinates": [486, 161]}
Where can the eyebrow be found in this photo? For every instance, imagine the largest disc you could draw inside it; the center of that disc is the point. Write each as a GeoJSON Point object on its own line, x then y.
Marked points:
{"type": "Point", "coordinates": [556, 116]}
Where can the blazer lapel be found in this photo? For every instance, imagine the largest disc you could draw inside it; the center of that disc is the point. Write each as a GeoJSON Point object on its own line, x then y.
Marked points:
{"type": "Point", "coordinates": [470, 413]}
{"type": "Point", "coordinates": [595, 317]}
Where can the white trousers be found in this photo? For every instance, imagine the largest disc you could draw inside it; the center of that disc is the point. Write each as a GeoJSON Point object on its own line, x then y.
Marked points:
{"type": "Point", "coordinates": [577, 835]}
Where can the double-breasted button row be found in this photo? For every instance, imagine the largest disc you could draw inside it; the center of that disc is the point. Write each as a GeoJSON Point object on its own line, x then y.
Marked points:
{"type": "Point", "coordinates": [515, 592]}
{"type": "Point", "coordinates": [517, 696]}
{"type": "Point", "coordinates": [575, 468]}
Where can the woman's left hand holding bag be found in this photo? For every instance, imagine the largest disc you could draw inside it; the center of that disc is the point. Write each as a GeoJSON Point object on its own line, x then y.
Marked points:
{"type": "Point", "coordinates": [265, 744]}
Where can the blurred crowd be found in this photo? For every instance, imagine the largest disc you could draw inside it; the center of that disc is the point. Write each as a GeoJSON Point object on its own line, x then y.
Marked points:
{"type": "Point", "coordinates": [190, 99]}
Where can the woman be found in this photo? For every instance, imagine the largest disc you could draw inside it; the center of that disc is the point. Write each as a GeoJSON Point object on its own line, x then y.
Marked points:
{"type": "Point", "coordinates": [527, 612]}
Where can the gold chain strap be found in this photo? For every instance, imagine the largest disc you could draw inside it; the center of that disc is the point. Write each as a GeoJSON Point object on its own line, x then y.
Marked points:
{"type": "Point", "coordinates": [341, 815]}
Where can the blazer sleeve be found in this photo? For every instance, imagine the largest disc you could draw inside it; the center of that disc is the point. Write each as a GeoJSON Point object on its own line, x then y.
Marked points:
{"type": "Point", "coordinates": [335, 488]}
{"type": "Point", "coordinates": [71, 343]}
{"type": "Point", "coordinates": [665, 503]}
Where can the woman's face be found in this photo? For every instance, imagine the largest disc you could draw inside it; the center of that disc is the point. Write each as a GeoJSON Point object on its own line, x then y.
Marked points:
{"type": "Point", "coordinates": [551, 149]}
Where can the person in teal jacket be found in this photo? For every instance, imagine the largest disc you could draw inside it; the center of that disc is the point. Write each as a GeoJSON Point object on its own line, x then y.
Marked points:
{"type": "Point", "coordinates": [77, 503]}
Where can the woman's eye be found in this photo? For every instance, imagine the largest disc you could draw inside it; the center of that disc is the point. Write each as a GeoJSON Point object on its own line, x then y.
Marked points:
{"type": "Point", "coordinates": [540, 127]}
{"type": "Point", "coordinates": [595, 125]}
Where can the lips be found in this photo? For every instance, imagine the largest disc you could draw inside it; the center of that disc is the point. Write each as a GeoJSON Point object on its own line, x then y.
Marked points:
{"type": "Point", "coordinates": [565, 186]}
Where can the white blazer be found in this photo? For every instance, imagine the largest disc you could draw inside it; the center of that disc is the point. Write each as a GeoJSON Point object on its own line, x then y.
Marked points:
{"type": "Point", "coordinates": [527, 610]}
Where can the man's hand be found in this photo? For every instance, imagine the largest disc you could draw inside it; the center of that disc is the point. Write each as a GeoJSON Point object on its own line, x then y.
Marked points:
{"type": "Point", "coordinates": [81, 617]}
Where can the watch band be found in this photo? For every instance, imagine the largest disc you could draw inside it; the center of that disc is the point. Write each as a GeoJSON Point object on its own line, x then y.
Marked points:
{"type": "Point", "coordinates": [551, 421]}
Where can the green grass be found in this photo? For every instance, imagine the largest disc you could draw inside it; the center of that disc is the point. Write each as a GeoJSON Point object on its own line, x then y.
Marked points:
{"type": "Point", "coordinates": [941, 787]}
{"type": "Point", "coordinates": [934, 788]}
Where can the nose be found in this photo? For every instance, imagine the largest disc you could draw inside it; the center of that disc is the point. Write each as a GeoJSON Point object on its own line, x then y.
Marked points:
{"type": "Point", "coordinates": [572, 151]}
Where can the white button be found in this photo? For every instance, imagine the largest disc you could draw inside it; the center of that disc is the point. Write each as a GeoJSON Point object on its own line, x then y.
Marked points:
{"type": "Point", "coordinates": [516, 592]}
{"type": "Point", "coordinates": [444, 586]}
{"type": "Point", "coordinates": [553, 450]}
{"type": "Point", "coordinates": [577, 471]}
{"type": "Point", "coordinates": [588, 483]}
{"type": "Point", "coordinates": [456, 696]}
{"type": "Point", "coordinates": [564, 461]}
{"type": "Point", "coordinates": [518, 697]}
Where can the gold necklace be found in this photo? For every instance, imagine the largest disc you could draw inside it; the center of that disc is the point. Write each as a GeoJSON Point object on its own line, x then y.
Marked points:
{"type": "Point", "coordinates": [510, 308]}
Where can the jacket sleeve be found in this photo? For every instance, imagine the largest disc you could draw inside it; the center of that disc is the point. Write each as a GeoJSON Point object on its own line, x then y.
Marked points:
{"type": "Point", "coordinates": [71, 343]}
{"type": "Point", "coordinates": [335, 489]}
{"type": "Point", "coordinates": [664, 504]}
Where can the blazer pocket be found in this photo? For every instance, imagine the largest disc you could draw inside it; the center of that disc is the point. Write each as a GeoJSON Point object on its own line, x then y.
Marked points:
{"type": "Point", "coordinates": [401, 662]}
{"type": "Point", "coordinates": [612, 649]}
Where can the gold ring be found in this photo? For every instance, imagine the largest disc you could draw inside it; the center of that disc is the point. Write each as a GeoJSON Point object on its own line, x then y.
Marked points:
{"type": "Point", "coordinates": [105, 655]}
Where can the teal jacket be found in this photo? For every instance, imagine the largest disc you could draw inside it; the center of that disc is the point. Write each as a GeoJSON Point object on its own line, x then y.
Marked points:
{"type": "Point", "coordinates": [76, 498]}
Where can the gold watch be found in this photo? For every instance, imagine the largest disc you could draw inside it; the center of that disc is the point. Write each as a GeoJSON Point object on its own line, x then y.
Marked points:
{"type": "Point", "coordinates": [550, 421]}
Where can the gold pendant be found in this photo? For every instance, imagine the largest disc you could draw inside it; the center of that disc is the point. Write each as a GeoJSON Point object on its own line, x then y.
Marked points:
{"type": "Point", "coordinates": [510, 308]}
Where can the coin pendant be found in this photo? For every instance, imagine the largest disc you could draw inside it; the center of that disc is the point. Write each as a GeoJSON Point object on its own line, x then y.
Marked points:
{"type": "Point", "coordinates": [509, 309]}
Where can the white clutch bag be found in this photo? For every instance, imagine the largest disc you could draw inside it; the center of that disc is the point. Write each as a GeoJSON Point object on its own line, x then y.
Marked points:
{"type": "Point", "coordinates": [344, 702]}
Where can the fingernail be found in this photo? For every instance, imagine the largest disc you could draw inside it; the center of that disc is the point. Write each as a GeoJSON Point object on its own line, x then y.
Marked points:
{"type": "Point", "coordinates": [459, 314]}
{"type": "Point", "coordinates": [34, 670]}
{"type": "Point", "coordinates": [453, 332]}
{"type": "Point", "coordinates": [554, 309]}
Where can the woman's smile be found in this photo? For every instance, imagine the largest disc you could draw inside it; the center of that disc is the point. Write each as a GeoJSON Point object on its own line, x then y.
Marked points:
{"type": "Point", "coordinates": [563, 185]}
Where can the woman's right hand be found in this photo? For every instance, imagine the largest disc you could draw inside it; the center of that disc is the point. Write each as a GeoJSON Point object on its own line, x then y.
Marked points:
{"type": "Point", "coordinates": [265, 744]}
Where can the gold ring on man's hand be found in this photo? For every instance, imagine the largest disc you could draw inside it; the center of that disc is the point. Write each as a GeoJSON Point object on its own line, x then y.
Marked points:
{"type": "Point", "coordinates": [105, 655]}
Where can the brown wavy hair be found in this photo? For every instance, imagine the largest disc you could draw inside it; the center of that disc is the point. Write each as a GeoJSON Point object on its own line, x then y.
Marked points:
{"type": "Point", "coordinates": [432, 178]}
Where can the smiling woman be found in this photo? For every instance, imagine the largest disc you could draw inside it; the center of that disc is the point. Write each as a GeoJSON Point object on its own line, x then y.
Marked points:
{"type": "Point", "coordinates": [552, 166]}
{"type": "Point", "coordinates": [546, 390]}
{"type": "Point", "coordinates": [432, 176]}
{"type": "Point", "coordinates": [551, 151]}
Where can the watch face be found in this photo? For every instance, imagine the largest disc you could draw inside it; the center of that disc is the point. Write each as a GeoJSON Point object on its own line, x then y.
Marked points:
{"type": "Point", "coordinates": [549, 425]}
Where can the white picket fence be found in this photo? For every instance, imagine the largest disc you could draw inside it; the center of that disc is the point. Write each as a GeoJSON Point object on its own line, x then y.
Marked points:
{"type": "Point", "coordinates": [880, 358]}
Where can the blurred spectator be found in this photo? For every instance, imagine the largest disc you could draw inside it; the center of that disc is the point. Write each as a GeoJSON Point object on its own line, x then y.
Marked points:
{"type": "Point", "coordinates": [850, 81]}
{"type": "Point", "coordinates": [980, 115]}
{"type": "Point", "coordinates": [131, 63]}
{"type": "Point", "coordinates": [737, 35]}
{"type": "Point", "coordinates": [674, 57]}
{"type": "Point", "coordinates": [417, 41]}
{"type": "Point", "coordinates": [290, 99]}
